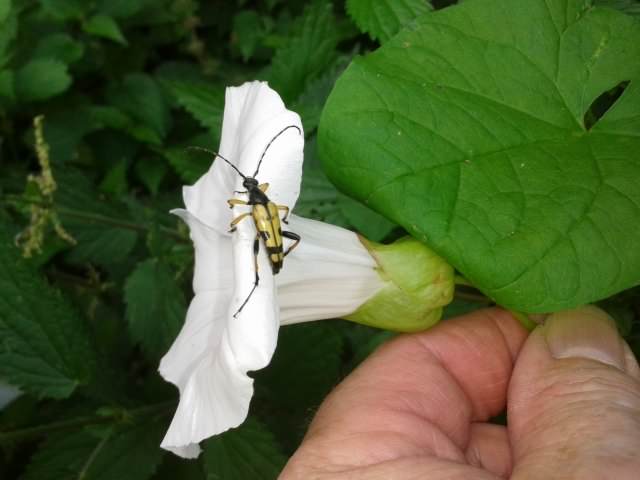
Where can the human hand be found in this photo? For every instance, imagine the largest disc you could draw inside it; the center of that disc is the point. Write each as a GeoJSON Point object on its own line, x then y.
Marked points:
{"type": "Point", "coordinates": [418, 407]}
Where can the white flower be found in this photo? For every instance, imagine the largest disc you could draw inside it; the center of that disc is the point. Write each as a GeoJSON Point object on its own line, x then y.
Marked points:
{"type": "Point", "coordinates": [210, 358]}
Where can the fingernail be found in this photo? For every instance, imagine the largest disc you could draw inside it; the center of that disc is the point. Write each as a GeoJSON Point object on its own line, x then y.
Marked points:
{"type": "Point", "coordinates": [586, 332]}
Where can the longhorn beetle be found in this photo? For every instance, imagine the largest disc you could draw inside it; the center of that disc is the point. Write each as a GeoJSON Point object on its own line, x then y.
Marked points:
{"type": "Point", "coordinates": [265, 217]}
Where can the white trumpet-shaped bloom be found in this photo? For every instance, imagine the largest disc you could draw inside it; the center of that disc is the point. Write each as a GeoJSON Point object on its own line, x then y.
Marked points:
{"type": "Point", "coordinates": [329, 274]}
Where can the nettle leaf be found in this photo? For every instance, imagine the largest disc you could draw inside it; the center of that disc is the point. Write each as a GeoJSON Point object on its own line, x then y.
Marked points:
{"type": "Point", "coordinates": [247, 31]}
{"type": "Point", "coordinates": [382, 19]}
{"type": "Point", "coordinates": [204, 102]}
{"type": "Point", "coordinates": [141, 97]}
{"type": "Point", "coordinates": [473, 138]}
{"type": "Point", "coordinates": [104, 232]}
{"type": "Point", "coordinates": [41, 79]}
{"type": "Point", "coordinates": [249, 451]}
{"type": "Point", "coordinates": [307, 54]}
{"type": "Point", "coordinates": [127, 453]}
{"type": "Point", "coordinates": [155, 306]}
{"type": "Point", "coordinates": [106, 27]}
{"type": "Point", "coordinates": [45, 349]}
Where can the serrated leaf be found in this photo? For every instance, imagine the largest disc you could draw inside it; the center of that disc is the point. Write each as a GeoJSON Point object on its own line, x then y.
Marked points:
{"type": "Point", "coordinates": [472, 138]}
{"type": "Point", "coordinates": [249, 451]}
{"type": "Point", "coordinates": [307, 54]}
{"type": "Point", "coordinates": [129, 453]}
{"type": "Point", "coordinates": [41, 79]}
{"type": "Point", "coordinates": [310, 103]}
{"type": "Point", "coordinates": [5, 9]}
{"type": "Point", "coordinates": [59, 46]}
{"type": "Point", "coordinates": [155, 306]}
{"type": "Point", "coordinates": [142, 99]}
{"type": "Point", "coordinates": [204, 102]}
{"type": "Point", "coordinates": [45, 349]}
{"type": "Point", "coordinates": [382, 19]}
{"type": "Point", "coordinates": [104, 233]}
{"type": "Point", "coordinates": [106, 27]}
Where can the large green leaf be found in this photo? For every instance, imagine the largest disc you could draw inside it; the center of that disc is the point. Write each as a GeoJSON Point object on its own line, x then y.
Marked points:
{"type": "Point", "coordinates": [382, 19]}
{"type": "Point", "coordinates": [155, 306]}
{"type": "Point", "coordinates": [473, 138]}
{"type": "Point", "coordinates": [45, 348]}
{"type": "Point", "coordinates": [249, 451]}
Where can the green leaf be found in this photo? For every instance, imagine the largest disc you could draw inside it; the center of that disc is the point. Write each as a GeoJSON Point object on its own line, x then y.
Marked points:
{"type": "Point", "coordinates": [204, 102]}
{"type": "Point", "coordinates": [307, 54]}
{"type": "Point", "coordinates": [247, 31]}
{"type": "Point", "coordinates": [128, 453]}
{"type": "Point", "coordinates": [310, 103]}
{"type": "Point", "coordinates": [105, 234]}
{"type": "Point", "coordinates": [5, 8]}
{"type": "Point", "coordinates": [249, 451]}
{"type": "Point", "coordinates": [473, 139]}
{"type": "Point", "coordinates": [151, 171]}
{"type": "Point", "coordinates": [59, 46]}
{"type": "Point", "coordinates": [121, 8]}
{"type": "Point", "coordinates": [155, 306]}
{"type": "Point", "coordinates": [142, 99]}
{"type": "Point", "coordinates": [8, 31]}
{"type": "Point", "coordinates": [65, 9]}
{"type": "Point", "coordinates": [382, 19]}
{"type": "Point", "coordinates": [41, 79]}
{"type": "Point", "coordinates": [106, 27]}
{"type": "Point", "coordinates": [45, 349]}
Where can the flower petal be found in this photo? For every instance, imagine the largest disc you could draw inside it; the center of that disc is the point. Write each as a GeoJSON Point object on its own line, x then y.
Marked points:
{"type": "Point", "coordinates": [329, 275]}
{"type": "Point", "coordinates": [213, 264]}
{"type": "Point", "coordinates": [253, 116]}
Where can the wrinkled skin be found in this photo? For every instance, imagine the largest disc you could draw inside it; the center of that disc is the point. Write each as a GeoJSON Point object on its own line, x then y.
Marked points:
{"type": "Point", "coordinates": [419, 407]}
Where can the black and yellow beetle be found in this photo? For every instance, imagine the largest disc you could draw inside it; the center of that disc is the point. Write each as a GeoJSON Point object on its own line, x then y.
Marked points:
{"type": "Point", "coordinates": [266, 217]}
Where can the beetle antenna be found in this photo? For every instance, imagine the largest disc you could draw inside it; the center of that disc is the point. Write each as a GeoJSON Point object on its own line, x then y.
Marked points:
{"type": "Point", "coordinates": [216, 154]}
{"type": "Point", "coordinates": [272, 140]}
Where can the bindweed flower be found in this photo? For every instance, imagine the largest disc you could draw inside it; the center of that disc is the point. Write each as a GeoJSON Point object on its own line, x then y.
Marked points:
{"type": "Point", "coordinates": [332, 273]}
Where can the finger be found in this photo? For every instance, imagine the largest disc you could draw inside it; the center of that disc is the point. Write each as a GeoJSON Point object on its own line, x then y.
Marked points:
{"type": "Point", "coordinates": [489, 448]}
{"type": "Point", "coordinates": [418, 395]}
{"type": "Point", "coordinates": [574, 401]}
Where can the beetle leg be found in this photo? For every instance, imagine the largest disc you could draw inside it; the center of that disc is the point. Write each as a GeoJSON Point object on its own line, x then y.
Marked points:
{"type": "Point", "coordinates": [263, 187]}
{"type": "Point", "coordinates": [237, 220]}
{"type": "Point", "coordinates": [238, 191]}
{"type": "Point", "coordinates": [291, 236]}
{"type": "Point", "coordinates": [286, 214]}
{"type": "Point", "coordinates": [256, 248]}
{"type": "Point", "coordinates": [236, 201]}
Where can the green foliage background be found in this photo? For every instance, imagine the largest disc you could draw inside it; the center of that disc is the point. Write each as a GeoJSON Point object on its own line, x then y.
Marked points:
{"type": "Point", "coordinates": [123, 87]}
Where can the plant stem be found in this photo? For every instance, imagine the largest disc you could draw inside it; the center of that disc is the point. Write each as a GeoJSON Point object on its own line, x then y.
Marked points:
{"type": "Point", "coordinates": [79, 422]}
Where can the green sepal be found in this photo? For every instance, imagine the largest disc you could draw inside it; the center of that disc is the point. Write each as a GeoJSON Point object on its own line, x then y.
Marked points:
{"type": "Point", "coordinates": [418, 283]}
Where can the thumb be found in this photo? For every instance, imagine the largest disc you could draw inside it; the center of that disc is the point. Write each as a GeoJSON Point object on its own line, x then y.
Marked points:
{"type": "Point", "coordinates": [574, 401]}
